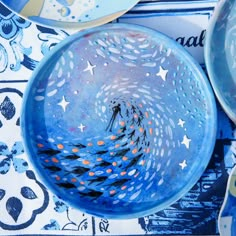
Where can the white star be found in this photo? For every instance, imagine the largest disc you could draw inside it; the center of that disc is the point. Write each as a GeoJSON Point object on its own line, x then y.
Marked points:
{"type": "Point", "coordinates": [183, 164]}
{"type": "Point", "coordinates": [186, 141]}
{"type": "Point", "coordinates": [63, 103]}
{"type": "Point", "coordinates": [162, 73]}
{"type": "Point", "coordinates": [81, 127]}
{"type": "Point", "coordinates": [89, 67]}
{"type": "Point", "coordinates": [181, 123]}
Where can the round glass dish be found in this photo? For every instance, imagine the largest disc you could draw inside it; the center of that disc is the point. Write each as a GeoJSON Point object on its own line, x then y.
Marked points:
{"type": "Point", "coordinates": [76, 14]}
{"type": "Point", "coordinates": [220, 51]}
{"type": "Point", "coordinates": [119, 121]}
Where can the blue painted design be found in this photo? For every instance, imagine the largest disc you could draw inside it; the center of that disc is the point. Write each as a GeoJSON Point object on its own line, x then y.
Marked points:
{"type": "Point", "coordinates": [29, 62]}
{"type": "Point", "coordinates": [17, 148]}
{"type": "Point", "coordinates": [3, 58]}
{"type": "Point", "coordinates": [19, 51]}
{"type": "Point", "coordinates": [11, 29]}
{"type": "Point", "coordinates": [8, 156]}
{"type": "Point", "coordinates": [31, 175]}
{"type": "Point", "coordinates": [121, 162]}
{"type": "Point", "coordinates": [17, 122]}
{"type": "Point", "coordinates": [2, 194]}
{"type": "Point", "coordinates": [11, 90]}
{"type": "Point", "coordinates": [28, 193]}
{"type": "Point", "coordinates": [53, 225]}
{"type": "Point", "coordinates": [4, 149]}
{"type": "Point", "coordinates": [10, 24]}
{"type": "Point", "coordinates": [7, 108]}
{"type": "Point", "coordinates": [5, 166]}
{"type": "Point", "coordinates": [60, 206]}
{"type": "Point", "coordinates": [104, 226]}
{"type": "Point", "coordinates": [48, 42]}
{"type": "Point", "coordinates": [20, 165]}
{"type": "Point", "coordinates": [14, 207]}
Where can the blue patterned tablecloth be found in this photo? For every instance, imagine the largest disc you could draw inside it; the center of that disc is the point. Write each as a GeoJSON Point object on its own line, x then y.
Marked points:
{"type": "Point", "coordinates": [27, 207]}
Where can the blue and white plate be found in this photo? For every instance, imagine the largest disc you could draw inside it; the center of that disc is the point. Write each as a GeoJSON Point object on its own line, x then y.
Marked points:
{"type": "Point", "coordinates": [77, 14]}
{"type": "Point", "coordinates": [220, 55]}
{"type": "Point", "coordinates": [119, 121]}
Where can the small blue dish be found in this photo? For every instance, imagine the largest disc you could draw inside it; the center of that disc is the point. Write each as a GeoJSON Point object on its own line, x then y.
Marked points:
{"type": "Point", "coordinates": [76, 14]}
{"type": "Point", "coordinates": [119, 121]}
{"type": "Point", "coordinates": [220, 55]}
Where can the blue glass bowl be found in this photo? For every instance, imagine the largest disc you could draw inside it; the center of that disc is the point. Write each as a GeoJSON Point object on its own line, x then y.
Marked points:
{"type": "Point", "coordinates": [76, 14]}
{"type": "Point", "coordinates": [220, 55]}
{"type": "Point", "coordinates": [119, 121]}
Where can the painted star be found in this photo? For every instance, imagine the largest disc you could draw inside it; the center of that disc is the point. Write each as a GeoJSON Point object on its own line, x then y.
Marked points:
{"type": "Point", "coordinates": [81, 127]}
{"type": "Point", "coordinates": [90, 67]}
{"type": "Point", "coordinates": [181, 123]}
{"type": "Point", "coordinates": [183, 164]}
{"type": "Point", "coordinates": [186, 141]}
{"type": "Point", "coordinates": [162, 73]}
{"type": "Point", "coordinates": [63, 103]}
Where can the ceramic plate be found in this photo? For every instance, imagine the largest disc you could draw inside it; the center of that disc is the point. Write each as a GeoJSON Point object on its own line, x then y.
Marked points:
{"type": "Point", "coordinates": [227, 223]}
{"type": "Point", "coordinates": [119, 121]}
{"type": "Point", "coordinates": [70, 13]}
{"type": "Point", "coordinates": [220, 51]}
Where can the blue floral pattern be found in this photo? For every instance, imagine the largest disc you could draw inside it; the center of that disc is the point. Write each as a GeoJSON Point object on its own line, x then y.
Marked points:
{"type": "Point", "coordinates": [11, 24]}
{"type": "Point", "coordinates": [15, 205]}
{"type": "Point", "coordinates": [71, 225]}
{"type": "Point", "coordinates": [12, 28]}
{"type": "Point", "coordinates": [50, 37]}
{"type": "Point", "coordinates": [10, 156]}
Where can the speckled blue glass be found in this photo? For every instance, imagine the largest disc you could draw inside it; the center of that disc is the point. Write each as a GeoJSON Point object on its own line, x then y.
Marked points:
{"type": "Point", "coordinates": [220, 54]}
{"type": "Point", "coordinates": [119, 121]}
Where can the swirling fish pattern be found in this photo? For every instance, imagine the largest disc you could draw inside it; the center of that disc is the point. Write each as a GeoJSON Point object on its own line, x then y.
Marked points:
{"type": "Point", "coordinates": [116, 113]}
